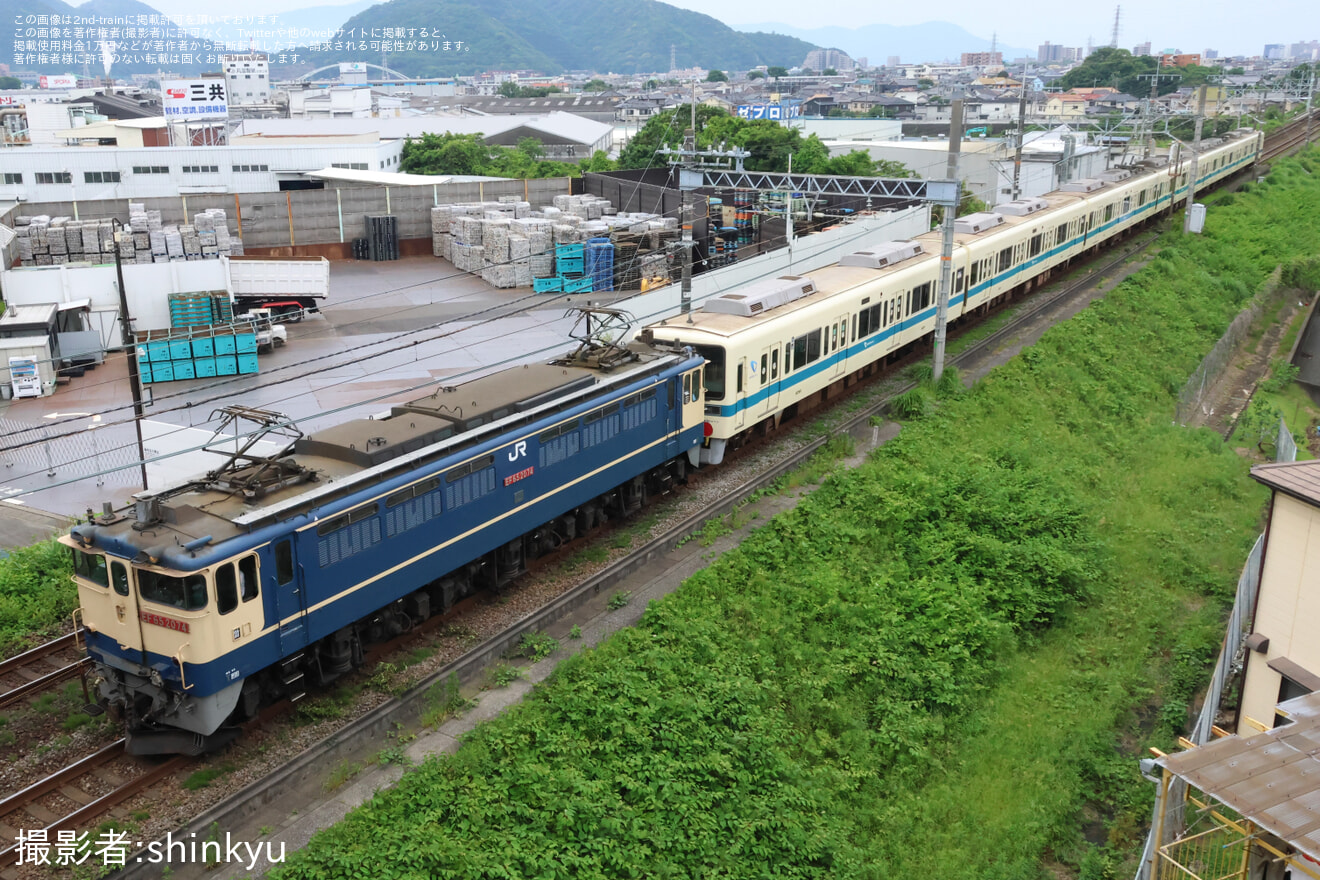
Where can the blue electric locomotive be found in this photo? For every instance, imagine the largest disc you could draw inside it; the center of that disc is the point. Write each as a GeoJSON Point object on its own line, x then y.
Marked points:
{"type": "Point", "coordinates": [208, 600]}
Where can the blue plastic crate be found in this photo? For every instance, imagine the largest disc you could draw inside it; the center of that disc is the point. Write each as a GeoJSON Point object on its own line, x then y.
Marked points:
{"type": "Point", "coordinates": [162, 372]}
{"type": "Point", "coordinates": [569, 265]}
{"type": "Point", "coordinates": [144, 373]}
{"type": "Point", "coordinates": [203, 347]}
{"type": "Point", "coordinates": [144, 354]}
{"type": "Point", "coordinates": [577, 285]}
{"type": "Point", "coordinates": [204, 367]}
{"type": "Point", "coordinates": [158, 351]}
{"type": "Point", "coordinates": [180, 350]}
{"type": "Point", "coordinates": [247, 363]}
{"type": "Point", "coordinates": [226, 365]}
{"type": "Point", "coordinates": [225, 345]}
{"type": "Point", "coordinates": [245, 343]}
{"type": "Point", "coordinates": [547, 285]}
{"type": "Point", "coordinates": [568, 251]}
{"type": "Point", "coordinates": [184, 370]}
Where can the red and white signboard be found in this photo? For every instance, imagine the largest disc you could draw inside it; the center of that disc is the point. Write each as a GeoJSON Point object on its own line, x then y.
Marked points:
{"type": "Point", "coordinates": [186, 99]}
{"type": "Point", "coordinates": [61, 81]}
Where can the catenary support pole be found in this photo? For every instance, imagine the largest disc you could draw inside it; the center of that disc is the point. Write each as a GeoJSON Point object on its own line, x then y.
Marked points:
{"type": "Point", "coordinates": [946, 243]}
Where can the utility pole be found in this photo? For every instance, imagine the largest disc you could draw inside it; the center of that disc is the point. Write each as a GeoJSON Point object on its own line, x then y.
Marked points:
{"type": "Point", "coordinates": [1021, 132]}
{"type": "Point", "coordinates": [1196, 152]}
{"type": "Point", "coordinates": [130, 350]}
{"type": "Point", "coordinates": [689, 146]}
{"type": "Point", "coordinates": [946, 246]}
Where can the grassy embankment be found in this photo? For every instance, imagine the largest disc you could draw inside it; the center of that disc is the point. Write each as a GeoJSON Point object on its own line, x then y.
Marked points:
{"type": "Point", "coordinates": [938, 665]}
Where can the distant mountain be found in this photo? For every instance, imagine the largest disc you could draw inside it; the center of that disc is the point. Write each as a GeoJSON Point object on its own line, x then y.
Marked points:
{"type": "Point", "coordinates": [933, 41]}
{"type": "Point", "coordinates": [552, 36]}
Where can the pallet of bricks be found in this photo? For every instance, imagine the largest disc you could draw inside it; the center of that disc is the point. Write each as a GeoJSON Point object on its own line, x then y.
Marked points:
{"type": "Point", "coordinates": [510, 244]}
{"type": "Point", "coordinates": [195, 353]}
{"type": "Point", "coordinates": [53, 241]}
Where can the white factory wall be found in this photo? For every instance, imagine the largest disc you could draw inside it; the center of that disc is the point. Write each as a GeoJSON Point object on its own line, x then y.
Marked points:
{"type": "Point", "coordinates": [147, 286]}
{"type": "Point", "coordinates": [282, 163]}
{"type": "Point", "coordinates": [850, 129]}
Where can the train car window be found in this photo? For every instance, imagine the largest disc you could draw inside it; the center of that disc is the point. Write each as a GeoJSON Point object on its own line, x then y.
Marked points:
{"type": "Point", "coordinates": [363, 512]}
{"type": "Point", "coordinates": [119, 578]}
{"type": "Point", "coordinates": [687, 389]}
{"type": "Point", "coordinates": [331, 525]}
{"type": "Point", "coordinates": [739, 389]}
{"type": "Point", "coordinates": [247, 577]}
{"type": "Point", "coordinates": [862, 324]}
{"type": "Point", "coordinates": [90, 566]}
{"type": "Point", "coordinates": [774, 364]}
{"type": "Point", "coordinates": [714, 356]}
{"type": "Point", "coordinates": [1061, 234]}
{"type": "Point", "coordinates": [284, 562]}
{"type": "Point", "coordinates": [1037, 244]}
{"type": "Point", "coordinates": [921, 296]}
{"type": "Point", "coordinates": [765, 362]}
{"type": "Point", "coordinates": [834, 337]}
{"type": "Point", "coordinates": [958, 280]}
{"type": "Point", "coordinates": [1109, 212]}
{"type": "Point", "coordinates": [1005, 259]}
{"type": "Point", "coordinates": [1141, 198]}
{"type": "Point", "coordinates": [226, 589]}
{"type": "Point", "coordinates": [875, 317]}
{"type": "Point", "coordinates": [187, 593]}
{"type": "Point", "coordinates": [696, 390]}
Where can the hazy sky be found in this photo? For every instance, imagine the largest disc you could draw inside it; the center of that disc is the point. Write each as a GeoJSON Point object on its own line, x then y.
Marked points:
{"type": "Point", "coordinates": [1233, 29]}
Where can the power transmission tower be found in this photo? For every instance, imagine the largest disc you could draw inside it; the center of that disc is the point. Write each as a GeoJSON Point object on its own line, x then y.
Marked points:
{"type": "Point", "coordinates": [1118, 12]}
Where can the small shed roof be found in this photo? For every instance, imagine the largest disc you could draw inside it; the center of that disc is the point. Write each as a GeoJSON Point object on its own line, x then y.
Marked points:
{"type": "Point", "coordinates": [1300, 479]}
{"type": "Point", "coordinates": [1272, 778]}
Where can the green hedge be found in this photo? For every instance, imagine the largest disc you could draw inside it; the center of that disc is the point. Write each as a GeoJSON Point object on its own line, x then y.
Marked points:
{"type": "Point", "coordinates": [36, 595]}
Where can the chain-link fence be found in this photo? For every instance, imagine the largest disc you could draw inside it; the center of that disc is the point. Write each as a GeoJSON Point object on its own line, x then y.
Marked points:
{"type": "Point", "coordinates": [1193, 397]}
{"type": "Point", "coordinates": [108, 455]}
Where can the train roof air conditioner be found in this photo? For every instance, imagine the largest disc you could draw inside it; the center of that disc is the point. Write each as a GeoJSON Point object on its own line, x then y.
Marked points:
{"type": "Point", "coordinates": [1022, 207]}
{"type": "Point", "coordinates": [1082, 185]}
{"type": "Point", "coordinates": [762, 296]}
{"type": "Point", "coordinates": [980, 222]}
{"type": "Point", "coordinates": [883, 255]}
{"type": "Point", "coordinates": [1114, 175]}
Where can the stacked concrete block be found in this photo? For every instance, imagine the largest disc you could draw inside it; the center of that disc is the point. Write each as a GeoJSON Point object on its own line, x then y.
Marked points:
{"type": "Point", "coordinates": [501, 275]}
{"type": "Point", "coordinates": [495, 238]}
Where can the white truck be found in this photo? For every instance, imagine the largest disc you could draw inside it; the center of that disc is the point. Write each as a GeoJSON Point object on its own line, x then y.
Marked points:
{"type": "Point", "coordinates": [288, 287]}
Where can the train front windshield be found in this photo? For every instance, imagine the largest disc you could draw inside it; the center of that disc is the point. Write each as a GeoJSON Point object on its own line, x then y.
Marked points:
{"type": "Point", "coordinates": [714, 355]}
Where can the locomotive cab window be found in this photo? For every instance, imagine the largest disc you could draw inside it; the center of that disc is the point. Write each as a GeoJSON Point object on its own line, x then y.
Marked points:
{"type": "Point", "coordinates": [119, 577]}
{"type": "Point", "coordinates": [714, 356]}
{"type": "Point", "coordinates": [90, 566]}
{"type": "Point", "coordinates": [226, 589]}
{"type": "Point", "coordinates": [247, 578]}
{"type": "Point", "coordinates": [186, 592]}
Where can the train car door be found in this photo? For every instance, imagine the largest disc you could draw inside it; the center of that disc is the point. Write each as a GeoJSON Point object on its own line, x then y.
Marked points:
{"type": "Point", "coordinates": [284, 583]}
{"type": "Point", "coordinates": [741, 391]}
{"type": "Point", "coordinates": [767, 380]}
{"type": "Point", "coordinates": [126, 626]}
{"type": "Point", "coordinates": [673, 424]}
{"type": "Point", "coordinates": [839, 345]}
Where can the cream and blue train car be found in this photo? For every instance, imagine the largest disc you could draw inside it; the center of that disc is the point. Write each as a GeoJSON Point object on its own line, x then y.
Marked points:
{"type": "Point", "coordinates": [782, 345]}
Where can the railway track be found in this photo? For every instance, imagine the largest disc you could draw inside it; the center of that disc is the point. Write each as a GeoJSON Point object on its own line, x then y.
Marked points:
{"type": "Point", "coordinates": [33, 672]}
{"type": "Point", "coordinates": [76, 797]}
{"type": "Point", "coordinates": [1291, 137]}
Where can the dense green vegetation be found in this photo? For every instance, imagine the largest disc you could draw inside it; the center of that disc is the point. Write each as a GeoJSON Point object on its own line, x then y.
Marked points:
{"type": "Point", "coordinates": [933, 666]}
{"type": "Point", "coordinates": [621, 36]}
{"type": "Point", "coordinates": [468, 154]}
{"type": "Point", "coordinates": [1120, 69]}
{"type": "Point", "coordinates": [770, 144]}
{"type": "Point", "coordinates": [36, 595]}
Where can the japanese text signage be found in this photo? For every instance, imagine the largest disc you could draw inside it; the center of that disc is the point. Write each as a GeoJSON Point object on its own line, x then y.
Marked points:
{"type": "Point", "coordinates": [194, 99]}
{"type": "Point", "coordinates": [769, 111]}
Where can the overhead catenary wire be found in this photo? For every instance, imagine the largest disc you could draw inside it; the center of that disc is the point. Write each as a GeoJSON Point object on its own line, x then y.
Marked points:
{"type": "Point", "coordinates": [335, 411]}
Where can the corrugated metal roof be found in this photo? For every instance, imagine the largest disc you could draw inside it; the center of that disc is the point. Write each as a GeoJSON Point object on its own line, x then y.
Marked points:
{"type": "Point", "coordinates": [396, 178]}
{"type": "Point", "coordinates": [1300, 479]}
{"type": "Point", "coordinates": [1272, 778]}
{"type": "Point", "coordinates": [558, 123]}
